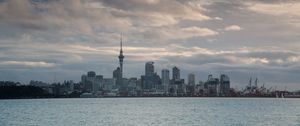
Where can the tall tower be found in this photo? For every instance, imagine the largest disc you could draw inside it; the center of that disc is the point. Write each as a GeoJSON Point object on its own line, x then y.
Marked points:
{"type": "Point", "coordinates": [121, 57]}
{"type": "Point", "coordinates": [176, 74]}
{"type": "Point", "coordinates": [191, 79]}
{"type": "Point", "coordinates": [165, 78]}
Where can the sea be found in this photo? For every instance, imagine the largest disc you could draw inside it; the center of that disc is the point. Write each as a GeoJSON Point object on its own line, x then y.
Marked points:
{"type": "Point", "coordinates": [151, 112]}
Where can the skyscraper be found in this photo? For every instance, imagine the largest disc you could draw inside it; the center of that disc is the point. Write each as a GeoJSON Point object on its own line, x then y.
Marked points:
{"type": "Point", "coordinates": [149, 68]}
{"type": "Point", "coordinates": [191, 79]}
{"type": "Point", "coordinates": [165, 78]}
{"type": "Point", "coordinates": [180, 88]}
{"type": "Point", "coordinates": [190, 88]}
{"type": "Point", "coordinates": [224, 85]}
{"type": "Point", "coordinates": [212, 86]}
{"type": "Point", "coordinates": [117, 77]}
{"type": "Point", "coordinates": [151, 79]}
{"type": "Point", "coordinates": [117, 73]}
{"type": "Point", "coordinates": [91, 82]}
{"type": "Point", "coordinates": [91, 74]}
{"type": "Point", "coordinates": [176, 73]}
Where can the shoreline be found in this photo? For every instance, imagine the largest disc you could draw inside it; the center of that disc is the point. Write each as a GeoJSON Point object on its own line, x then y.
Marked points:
{"type": "Point", "coordinates": [246, 97]}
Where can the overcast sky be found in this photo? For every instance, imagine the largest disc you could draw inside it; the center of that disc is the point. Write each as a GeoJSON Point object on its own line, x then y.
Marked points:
{"type": "Point", "coordinates": [56, 40]}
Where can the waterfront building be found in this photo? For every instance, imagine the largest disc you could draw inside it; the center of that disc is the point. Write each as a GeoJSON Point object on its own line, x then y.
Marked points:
{"type": "Point", "coordinates": [98, 84]}
{"type": "Point", "coordinates": [224, 85]}
{"type": "Point", "coordinates": [132, 83]}
{"type": "Point", "coordinates": [117, 75]}
{"type": "Point", "coordinates": [211, 86]}
{"type": "Point", "coordinates": [191, 79]}
{"type": "Point", "coordinates": [91, 74]}
{"type": "Point", "coordinates": [176, 73]}
{"type": "Point", "coordinates": [181, 87]}
{"type": "Point", "coordinates": [132, 86]}
{"type": "Point", "coordinates": [151, 79]}
{"type": "Point", "coordinates": [149, 68]}
{"type": "Point", "coordinates": [199, 89]}
{"type": "Point", "coordinates": [69, 85]}
{"type": "Point", "coordinates": [91, 82]}
{"type": "Point", "coordinates": [190, 88]}
{"type": "Point", "coordinates": [87, 85]}
{"type": "Point", "coordinates": [165, 78]}
{"type": "Point", "coordinates": [178, 85]}
{"type": "Point", "coordinates": [109, 84]}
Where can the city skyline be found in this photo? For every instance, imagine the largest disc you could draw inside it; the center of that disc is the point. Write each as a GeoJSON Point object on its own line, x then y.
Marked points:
{"type": "Point", "coordinates": [60, 40]}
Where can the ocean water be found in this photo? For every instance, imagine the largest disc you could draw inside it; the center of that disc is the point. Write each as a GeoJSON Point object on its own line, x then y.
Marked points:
{"type": "Point", "coordinates": [151, 111]}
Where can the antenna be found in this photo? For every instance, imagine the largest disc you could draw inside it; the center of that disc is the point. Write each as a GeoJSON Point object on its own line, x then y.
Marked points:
{"type": "Point", "coordinates": [256, 81]}
{"type": "Point", "coordinates": [121, 42]}
{"type": "Point", "coordinates": [250, 81]}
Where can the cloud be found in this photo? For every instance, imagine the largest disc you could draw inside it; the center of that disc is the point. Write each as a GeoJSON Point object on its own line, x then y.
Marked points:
{"type": "Point", "coordinates": [25, 64]}
{"type": "Point", "coordinates": [287, 12]}
{"type": "Point", "coordinates": [196, 31]}
{"type": "Point", "coordinates": [168, 8]}
{"type": "Point", "coordinates": [218, 18]}
{"type": "Point", "coordinates": [233, 28]}
{"type": "Point", "coordinates": [288, 8]}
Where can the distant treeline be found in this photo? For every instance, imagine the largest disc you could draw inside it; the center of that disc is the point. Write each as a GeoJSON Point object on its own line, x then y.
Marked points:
{"type": "Point", "coordinates": [9, 89]}
{"type": "Point", "coordinates": [22, 91]}
{"type": "Point", "coordinates": [16, 90]}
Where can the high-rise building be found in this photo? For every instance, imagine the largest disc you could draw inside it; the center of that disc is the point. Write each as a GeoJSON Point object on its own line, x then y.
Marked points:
{"type": "Point", "coordinates": [191, 79]}
{"type": "Point", "coordinates": [98, 83]}
{"type": "Point", "coordinates": [117, 73]}
{"type": "Point", "coordinates": [132, 86]}
{"type": "Point", "coordinates": [91, 82]}
{"type": "Point", "coordinates": [165, 78]}
{"type": "Point", "coordinates": [109, 84]}
{"type": "Point", "coordinates": [149, 68]}
{"type": "Point", "coordinates": [91, 74]}
{"type": "Point", "coordinates": [224, 85]}
{"type": "Point", "coordinates": [176, 73]}
{"type": "Point", "coordinates": [190, 88]}
{"type": "Point", "coordinates": [177, 82]}
{"type": "Point", "coordinates": [212, 86]}
{"type": "Point", "coordinates": [151, 79]}
{"type": "Point", "coordinates": [117, 76]}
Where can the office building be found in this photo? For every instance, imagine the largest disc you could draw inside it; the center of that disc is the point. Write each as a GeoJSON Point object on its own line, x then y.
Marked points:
{"type": "Point", "coordinates": [151, 79]}
{"type": "Point", "coordinates": [91, 82]}
{"type": "Point", "coordinates": [165, 78]}
{"type": "Point", "coordinates": [224, 85]}
{"type": "Point", "coordinates": [176, 73]}
{"type": "Point", "coordinates": [212, 86]}
{"type": "Point", "coordinates": [191, 79]}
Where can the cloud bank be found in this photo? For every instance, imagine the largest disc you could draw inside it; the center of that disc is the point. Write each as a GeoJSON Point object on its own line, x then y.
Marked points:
{"type": "Point", "coordinates": [56, 40]}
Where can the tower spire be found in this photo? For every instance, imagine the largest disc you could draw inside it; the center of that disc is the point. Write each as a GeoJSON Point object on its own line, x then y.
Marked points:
{"type": "Point", "coordinates": [121, 58]}
{"type": "Point", "coordinates": [121, 43]}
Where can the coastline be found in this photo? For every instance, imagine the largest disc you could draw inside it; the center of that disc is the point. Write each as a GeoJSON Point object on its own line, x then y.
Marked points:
{"type": "Point", "coordinates": [246, 97]}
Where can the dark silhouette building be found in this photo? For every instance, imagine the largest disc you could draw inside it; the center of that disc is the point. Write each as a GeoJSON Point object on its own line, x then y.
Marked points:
{"type": "Point", "coordinates": [151, 80]}
{"type": "Point", "coordinates": [211, 86]}
{"type": "Point", "coordinates": [224, 85]}
{"type": "Point", "coordinates": [176, 73]}
{"type": "Point", "coordinates": [117, 76]}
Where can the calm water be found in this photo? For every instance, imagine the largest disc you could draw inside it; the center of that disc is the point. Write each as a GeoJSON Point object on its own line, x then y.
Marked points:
{"type": "Point", "coordinates": [150, 111]}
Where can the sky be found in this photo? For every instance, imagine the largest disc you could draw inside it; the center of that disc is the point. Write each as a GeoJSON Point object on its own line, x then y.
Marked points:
{"type": "Point", "coordinates": [56, 40]}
